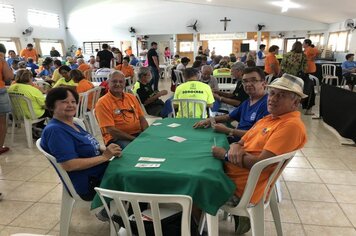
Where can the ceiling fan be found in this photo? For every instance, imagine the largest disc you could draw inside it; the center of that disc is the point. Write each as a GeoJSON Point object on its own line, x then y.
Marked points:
{"type": "Point", "coordinates": [28, 31]}
{"type": "Point", "coordinates": [260, 27]}
{"type": "Point", "coordinates": [349, 24]}
{"type": "Point", "coordinates": [194, 26]}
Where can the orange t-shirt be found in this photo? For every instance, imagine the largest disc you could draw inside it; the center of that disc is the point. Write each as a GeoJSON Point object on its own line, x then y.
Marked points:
{"type": "Point", "coordinates": [278, 135]}
{"type": "Point", "coordinates": [271, 59]}
{"type": "Point", "coordinates": [27, 53]}
{"type": "Point", "coordinates": [83, 86]}
{"type": "Point", "coordinates": [83, 67]}
{"type": "Point", "coordinates": [311, 54]}
{"type": "Point", "coordinates": [123, 113]}
{"type": "Point", "coordinates": [127, 70]}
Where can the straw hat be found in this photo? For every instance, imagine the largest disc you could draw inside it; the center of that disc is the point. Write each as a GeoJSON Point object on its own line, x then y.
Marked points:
{"type": "Point", "coordinates": [289, 83]}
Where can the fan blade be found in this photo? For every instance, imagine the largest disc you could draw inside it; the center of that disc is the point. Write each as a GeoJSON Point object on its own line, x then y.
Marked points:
{"type": "Point", "coordinates": [196, 22]}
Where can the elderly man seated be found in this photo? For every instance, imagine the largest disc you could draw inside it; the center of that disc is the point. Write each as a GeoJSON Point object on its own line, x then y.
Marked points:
{"type": "Point", "coordinates": [349, 67]}
{"type": "Point", "coordinates": [238, 95]}
{"type": "Point", "coordinates": [280, 132]}
{"type": "Point", "coordinates": [119, 114]}
{"type": "Point", "coordinates": [248, 113]}
{"type": "Point", "coordinates": [150, 99]}
{"type": "Point", "coordinates": [193, 89]}
{"type": "Point", "coordinates": [207, 78]}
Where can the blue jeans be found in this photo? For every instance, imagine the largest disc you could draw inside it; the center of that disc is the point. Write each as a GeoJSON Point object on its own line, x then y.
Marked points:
{"type": "Point", "coordinates": [155, 77]}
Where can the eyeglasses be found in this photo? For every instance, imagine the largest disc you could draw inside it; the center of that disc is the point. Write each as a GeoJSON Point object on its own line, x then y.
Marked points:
{"type": "Point", "coordinates": [253, 81]}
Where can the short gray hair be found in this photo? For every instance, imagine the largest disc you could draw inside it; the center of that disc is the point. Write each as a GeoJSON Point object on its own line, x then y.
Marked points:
{"type": "Point", "coordinates": [206, 67]}
{"type": "Point", "coordinates": [238, 66]}
{"type": "Point", "coordinates": [115, 72]}
{"type": "Point", "coordinates": [142, 71]}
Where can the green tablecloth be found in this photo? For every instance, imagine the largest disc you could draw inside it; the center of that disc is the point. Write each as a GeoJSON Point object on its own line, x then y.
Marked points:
{"type": "Point", "coordinates": [189, 167]}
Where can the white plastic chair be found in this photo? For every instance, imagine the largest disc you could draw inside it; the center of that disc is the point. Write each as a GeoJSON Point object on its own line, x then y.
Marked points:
{"type": "Point", "coordinates": [256, 212]}
{"type": "Point", "coordinates": [224, 79]}
{"type": "Point", "coordinates": [99, 78]}
{"type": "Point", "coordinates": [93, 96]}
{"type": "Point", "coordinates": [317, 83]}
{"type": "Point", "coordinates": [269, 78]}
{"type": "Point", "coordinates": [69, 195]}
{"type": "Point", "coordinates": [187, 108]}
{"type": "Point", "coordinates": [150, 119]}
{"type": "Point", "coordinates": [22, 111]}
{"type": "Point", "coordinates": [42, 84]}
{"type": "Point", "coordinates": [329, 74]}
{"type": "Point", "coordinates": [179, 77]}
{"type": "Point", "coordinates": [120, 201]}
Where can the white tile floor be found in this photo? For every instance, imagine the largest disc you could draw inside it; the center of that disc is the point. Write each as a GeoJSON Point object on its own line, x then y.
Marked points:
{"type": "Point", "coordinates": [319, 189]}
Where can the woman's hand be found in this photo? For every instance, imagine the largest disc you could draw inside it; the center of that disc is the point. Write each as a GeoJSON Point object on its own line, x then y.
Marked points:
{"type": "Point", "coordinates": [112, 150]}
{"type": "Point", "coordinates": [202, 124]}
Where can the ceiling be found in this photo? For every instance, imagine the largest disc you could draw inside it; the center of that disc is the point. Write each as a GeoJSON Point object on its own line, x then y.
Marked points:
{"type": "Point", "coordinates": [324, 11]}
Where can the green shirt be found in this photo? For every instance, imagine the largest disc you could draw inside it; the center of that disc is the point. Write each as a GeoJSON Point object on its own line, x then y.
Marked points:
{"type": "Point", "coordinates": [34, 94]}
{"type": "Point", "coordinates": [62, 81]}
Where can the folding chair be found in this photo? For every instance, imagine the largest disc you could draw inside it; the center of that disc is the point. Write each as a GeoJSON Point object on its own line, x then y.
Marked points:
{"type": "Point", "coordinates": [187, 108]}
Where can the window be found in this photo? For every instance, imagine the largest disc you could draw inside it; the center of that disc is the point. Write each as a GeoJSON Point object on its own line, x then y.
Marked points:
{"type": "Point", "coordinates": [277, 41]}
{"type": "Point", "coordinates": [317, 39]}
{"type": "Point", "coordinates": [253, 43]}
{"type": "Point", "coordinates": [7, 13]}
{"type": "Point", "coordinates": [46, 46]}
{"type": "Point", "coordinates": [290, 41]}
{"type": "Point", "coordinates": [338, 41]}
{"type": "Point", "coordinates": [223, 47]}
{"type": "Point", "coordinates": [91, 47]}
{"type": "Point", "coordinates": [9, 45]}
{"type": "Point", "coordinates": [186, 46]}
{"type": "Point", "coordinates": [42, 18]}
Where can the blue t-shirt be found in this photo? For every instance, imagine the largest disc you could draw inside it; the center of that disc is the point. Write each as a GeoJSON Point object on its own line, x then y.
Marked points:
{"type": "Point", "coordinates": [65, 143]}
{"type": "Point", "coordinates": [248, 115]}
{"type": "Point", "coordinates": [347, 65]}
{"type": "Point", "coordinates": [134, 61]}
{"type": "Point", "coordinates": [260, 55]}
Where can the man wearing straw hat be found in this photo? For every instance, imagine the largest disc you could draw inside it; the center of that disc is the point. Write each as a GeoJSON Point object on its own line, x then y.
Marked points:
{"type": "Point", "coordinates": [280, 132]}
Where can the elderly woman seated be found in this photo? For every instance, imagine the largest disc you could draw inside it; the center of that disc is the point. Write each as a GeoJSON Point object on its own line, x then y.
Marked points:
{"type": "Point", "coordinates": [77, 151]}
{"type": "Point", "coordinates": [23, 85]}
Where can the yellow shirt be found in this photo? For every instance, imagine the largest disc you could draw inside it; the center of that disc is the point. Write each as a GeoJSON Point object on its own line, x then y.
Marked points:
{"type": "Point", "coordinates": [194, 90]}
{"type": "Point", "coordinates": [222, 71]}
{"type": "Point", "coordinates": [62, 81]}
{"type": "Point", "coordinates": [56, 76]}
{"type": "Point", "coordinates": [34, 94]}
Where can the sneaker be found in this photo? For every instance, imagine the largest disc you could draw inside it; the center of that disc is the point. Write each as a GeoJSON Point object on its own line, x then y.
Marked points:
{"type": "Point", "coordinates": [102, 215]}
{"type": "Point", "coordinates": [4, 149]}
{"type": "Point", "coordinates": [1, 196]}
{"type": "Point", "coordinates": [242, 225]}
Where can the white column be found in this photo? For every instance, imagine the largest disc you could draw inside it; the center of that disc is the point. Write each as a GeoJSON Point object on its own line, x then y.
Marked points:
{"type": "Point", "coordinates": [259, 34]}
{"type": "Point", "coordinates": [195, 45]}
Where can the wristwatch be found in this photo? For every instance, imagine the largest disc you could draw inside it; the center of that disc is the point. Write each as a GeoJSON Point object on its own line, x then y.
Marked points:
{"type": "Point", "coordinates": [231, 133]}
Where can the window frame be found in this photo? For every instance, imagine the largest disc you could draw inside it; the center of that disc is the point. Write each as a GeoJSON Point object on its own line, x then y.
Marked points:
{"type": "Point", "coordinates": [13, 17]}
{"type": "Point", "coordinates": [91, 49]}
{"type": "Point", "coordinates": [347, 39]}
{"type": "Point", "coordinates": [44, 16]}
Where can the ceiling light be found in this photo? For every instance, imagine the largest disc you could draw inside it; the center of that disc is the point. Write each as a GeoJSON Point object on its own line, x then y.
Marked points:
{"type": "Point", "coordinates": [285, 5]}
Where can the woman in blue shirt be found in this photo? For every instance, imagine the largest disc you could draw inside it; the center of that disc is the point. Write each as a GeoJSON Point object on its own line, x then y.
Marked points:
{"type": "Point", "coordinates": [77, 151]}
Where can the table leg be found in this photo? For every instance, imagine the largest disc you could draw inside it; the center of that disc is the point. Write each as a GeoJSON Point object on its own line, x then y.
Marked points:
{"type": "Point", "coordinates": [213, 224]}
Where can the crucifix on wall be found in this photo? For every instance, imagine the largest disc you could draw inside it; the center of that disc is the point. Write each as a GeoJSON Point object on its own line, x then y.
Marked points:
{"type": "Point", "coordinates": [225, 20]}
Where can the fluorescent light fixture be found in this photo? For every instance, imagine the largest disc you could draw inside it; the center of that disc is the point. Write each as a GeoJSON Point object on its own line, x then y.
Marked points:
{"type": "Point", "coordinates": [285, 5]}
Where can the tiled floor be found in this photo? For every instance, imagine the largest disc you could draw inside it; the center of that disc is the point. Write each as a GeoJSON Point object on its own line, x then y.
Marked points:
{"type": "Point", "coordinates": [319, 191]}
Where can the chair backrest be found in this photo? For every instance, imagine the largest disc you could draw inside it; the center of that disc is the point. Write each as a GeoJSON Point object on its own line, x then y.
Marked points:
{"type": "Point", "coordinates": [93, 96]}
{"type": "Point", "coordinates": [179, 76]}
{"type": "Point", "coordinates": [42, 84]}
{"type": "Point", "coordinates": [278, 163]}
{"type": "Point", "coordinates": [224, 79]}
{"type": "Point", "coordinates": [316, 79]}
{"type": "Point", "coordinates": [82, 106]}
{"type": "Point", "coordinates": [60, 171]}
{"type": "Point", "coordinates": [121, 198]}
{"type": "Point", "coordinates": [99, 78]}
{"type": "Point", "coordinates": [187, 108]}
{"type": "Point", "coordinates": [328, 69]}
{"type": "Point", "coordinates": [21, 107]}
{"type": "Point", "coordinates": [269, 78]}
{"type": "Point", "coordinates": [139, 100]}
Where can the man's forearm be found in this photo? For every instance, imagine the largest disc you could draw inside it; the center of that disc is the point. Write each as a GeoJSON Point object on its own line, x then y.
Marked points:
{"type": "Point", "coordinates": [119, 134]}
{"type": "Point", "coordinates": [230, 101]}
{"type": "Point", "coordinates": [151, 99]}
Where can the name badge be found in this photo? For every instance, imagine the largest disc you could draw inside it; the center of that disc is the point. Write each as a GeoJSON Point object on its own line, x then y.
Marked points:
{"type": "Point", "coordinates": [117, 111]}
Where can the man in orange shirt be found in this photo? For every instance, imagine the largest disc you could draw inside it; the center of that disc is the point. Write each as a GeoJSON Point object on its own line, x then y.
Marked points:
{"type": "Point", "coordinates": [271, 62]}
{"type": "Point", "coordinates": [125, 68]}
{"type": "Point", "coordinates": [29, 51]}
{"type": "Point", "coordinates": [280, 132]}
{"type": "Point", "coordinates": [119, 114]}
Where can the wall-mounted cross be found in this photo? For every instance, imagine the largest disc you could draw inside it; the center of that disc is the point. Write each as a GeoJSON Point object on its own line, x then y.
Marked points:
{"type": "Point", "coordinates": [225, 20]}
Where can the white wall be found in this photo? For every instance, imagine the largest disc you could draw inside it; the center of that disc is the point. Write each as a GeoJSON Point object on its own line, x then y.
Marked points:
{"type": "Point", "coordinates": [21, 23]}
{"type": "Point", "coordinates": [110, 20]}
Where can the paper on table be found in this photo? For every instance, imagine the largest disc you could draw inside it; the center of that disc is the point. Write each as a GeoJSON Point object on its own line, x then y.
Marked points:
{"type": "Point", "coordinates": [173, 125]}
{"type": "Point", "coordinates": [147, 165]}
{"type": "Point", "coordinates": [151, 159]}
{"type": "Point", "coordinates": [156, 124]}
{"type": "Point", "coordinates": [177, 139]}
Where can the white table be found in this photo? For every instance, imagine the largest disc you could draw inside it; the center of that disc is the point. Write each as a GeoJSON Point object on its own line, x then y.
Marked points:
{"type": "Point", "coordinates": [227, 87]}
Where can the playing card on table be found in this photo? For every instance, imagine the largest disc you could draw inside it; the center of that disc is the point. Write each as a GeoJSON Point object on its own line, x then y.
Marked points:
{"type": "Point", "coordinates": [156, 124]}
{"type": "Point", "coordinates": [147, 165]}
{"type": "Point", "coordinates": [173, 125]}
{"type": "Point", "coordinates": [151, 159]}
{"type": "Point", "coordinates": [177, 139]}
